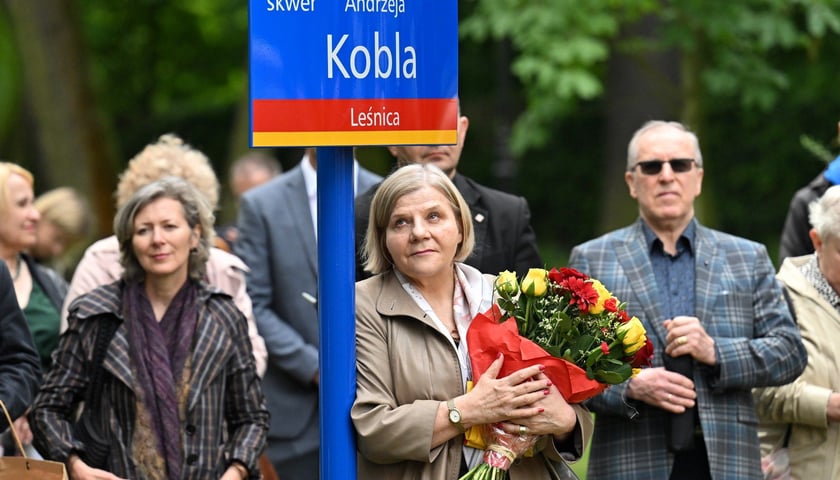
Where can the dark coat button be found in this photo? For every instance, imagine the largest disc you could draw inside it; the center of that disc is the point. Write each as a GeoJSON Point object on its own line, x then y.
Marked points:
{"type": "Point", "coordinates": [190, 429]}
{"type": "Point", "coordinates": [191, 459]}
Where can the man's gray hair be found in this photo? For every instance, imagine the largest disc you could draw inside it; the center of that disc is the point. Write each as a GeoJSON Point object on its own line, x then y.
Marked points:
{"type": "Point", "coordinates": [633, 147]}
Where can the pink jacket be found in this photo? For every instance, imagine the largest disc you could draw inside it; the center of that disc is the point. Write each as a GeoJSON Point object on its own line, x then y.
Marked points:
{"type": "Point", "coordinates": [100, 265]}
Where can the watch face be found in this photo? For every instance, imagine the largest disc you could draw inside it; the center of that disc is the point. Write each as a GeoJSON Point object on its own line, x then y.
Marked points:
{"type": "Point", "coordinates": [454, 416]}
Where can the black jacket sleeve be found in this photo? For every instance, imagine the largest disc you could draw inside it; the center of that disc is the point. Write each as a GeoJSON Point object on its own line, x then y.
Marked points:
{"type": "Point", "coordinates": [20, 367]}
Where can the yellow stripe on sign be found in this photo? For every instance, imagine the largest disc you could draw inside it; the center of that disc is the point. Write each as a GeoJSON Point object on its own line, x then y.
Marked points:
{"type": "Point", "coordinates": [353, 139]}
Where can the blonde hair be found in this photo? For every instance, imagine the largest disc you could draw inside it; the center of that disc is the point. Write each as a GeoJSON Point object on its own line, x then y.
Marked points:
{"type": "Point", "coordinates": [66, 209]}
{"type": "Point", "coordinates": [169, 156]}
{"type": "Point", "coordinates": [406, 180]}
{"type": "Point", "coordinates": [7, 169]}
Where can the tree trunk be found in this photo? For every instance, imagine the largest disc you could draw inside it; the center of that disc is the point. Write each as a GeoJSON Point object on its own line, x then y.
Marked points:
{"type": "Point", "coordinates": [640, 86]}
{"type": "Point", "coordinates": [72, 144]}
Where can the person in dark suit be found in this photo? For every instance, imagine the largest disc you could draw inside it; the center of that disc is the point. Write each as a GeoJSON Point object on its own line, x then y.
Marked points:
{"type": "Point", "coordinates": [796, 233]}
{"type": "Point", "coordinates": [714, 312]}
{"type": "Point", "coordinates": [278, 241]}
{"type": "Point", "coordinates": [20, 366]}
{"type": "Point", "coordinates": [504, 238]}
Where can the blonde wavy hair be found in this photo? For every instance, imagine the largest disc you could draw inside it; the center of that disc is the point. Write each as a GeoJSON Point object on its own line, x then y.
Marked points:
{"type": "Point", "coordinates": [169, 156]}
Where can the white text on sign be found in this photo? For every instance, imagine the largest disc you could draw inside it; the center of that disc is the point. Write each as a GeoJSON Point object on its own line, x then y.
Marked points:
{"type": "Point", "coordinates": [402, 64]}
{"type": "Point", "coordinates": [290, 5]}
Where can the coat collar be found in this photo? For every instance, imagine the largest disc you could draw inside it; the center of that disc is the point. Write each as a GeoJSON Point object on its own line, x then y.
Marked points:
{"type": "Point", "coordinates": [211, 334]}
{"type": "Point", "coordinates": [393, 300]}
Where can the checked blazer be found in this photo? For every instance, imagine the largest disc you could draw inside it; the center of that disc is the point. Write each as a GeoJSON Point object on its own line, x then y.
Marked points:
{"type": "Point", "coordinates": [757, 343]}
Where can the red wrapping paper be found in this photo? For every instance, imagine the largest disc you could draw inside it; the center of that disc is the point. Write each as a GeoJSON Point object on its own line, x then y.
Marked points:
{"type": "Point", "coordinates": [487, 337]}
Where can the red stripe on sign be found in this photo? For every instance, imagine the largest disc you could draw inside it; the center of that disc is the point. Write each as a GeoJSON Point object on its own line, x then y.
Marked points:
{"type": "Point", "coordinates": [354, 115]}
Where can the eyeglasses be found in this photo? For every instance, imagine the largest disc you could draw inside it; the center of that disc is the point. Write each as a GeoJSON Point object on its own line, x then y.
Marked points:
{"type": "Point", "coordinates": [653, 167]}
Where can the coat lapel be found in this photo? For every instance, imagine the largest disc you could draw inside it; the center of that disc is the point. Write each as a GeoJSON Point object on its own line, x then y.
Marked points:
{"type": "Point", "coordinates": [480, 215]}
{"type": "Point", "coordinates": [296, 201]}
{"type": "Point", "coordinates": [210, 336]}
{"type": "Point", "coordinates": [634, 258]}
{"type": "Point", "coordinates": [394, 301]}
{"type": "Point", "coordinates": [709, 269]}
{"type": "Point", "coordinates": [116, 360]}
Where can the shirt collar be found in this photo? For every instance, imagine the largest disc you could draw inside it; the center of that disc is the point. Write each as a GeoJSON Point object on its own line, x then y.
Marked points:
{"type": "Point", "coordinates": [686, 237]}
{"type": "Point", "coordinates": [310, 176]}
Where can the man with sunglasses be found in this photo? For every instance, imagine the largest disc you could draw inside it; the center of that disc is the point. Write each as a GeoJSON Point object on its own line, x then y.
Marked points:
{"type": "Point", "coordinates": [714, 313]}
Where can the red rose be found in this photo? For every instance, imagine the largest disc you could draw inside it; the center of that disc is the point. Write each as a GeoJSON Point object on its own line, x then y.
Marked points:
{"type": "Point", "coordinates": [605, 348]}
{"type": "Point", "coordinates": [643, 356]}
{"type": "Point", "coordinates": [623, 317]}
{"type": "Point", "coordinates": [611, 305]}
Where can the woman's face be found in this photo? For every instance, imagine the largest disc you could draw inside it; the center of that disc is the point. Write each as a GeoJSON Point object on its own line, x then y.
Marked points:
{"type": "Point", "coordinates": [52, 241]}
{"type": "Point", "coordinates": [828, 251]}
{"type": "Point", "coordinates": [423, 235]}
{"type": "Point", "coordinates": [163, 239]}
{"type": "Point", "coordinates": [18, 228]}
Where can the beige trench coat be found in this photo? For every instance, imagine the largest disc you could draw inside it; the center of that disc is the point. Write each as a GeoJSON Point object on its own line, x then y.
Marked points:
{"type": "Point", "coordinates": [405, 369]}
{"type": "Point", "coordinates": [814, 443]}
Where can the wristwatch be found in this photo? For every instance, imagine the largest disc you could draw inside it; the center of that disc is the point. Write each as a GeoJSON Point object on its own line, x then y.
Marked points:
{"type": "Point", "coordinates": [455, 415]}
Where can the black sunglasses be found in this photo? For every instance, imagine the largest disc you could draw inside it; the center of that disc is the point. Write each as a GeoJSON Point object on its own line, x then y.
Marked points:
{"type": "Point", "coordinates": [653, 167]}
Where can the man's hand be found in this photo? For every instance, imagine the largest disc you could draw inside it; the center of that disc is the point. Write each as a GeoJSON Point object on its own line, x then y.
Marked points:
{"type": "Point", "coordinates": [833, 408]}
{"type": "Point", "coordinates": [686, 336]}
{"type": "Point", "coordinates": [669, 391]}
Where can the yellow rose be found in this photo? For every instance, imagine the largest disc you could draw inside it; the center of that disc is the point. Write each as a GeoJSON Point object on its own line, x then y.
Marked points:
{"type": "Point", "coordinates": [633, 335]}
{"type": "Point", "coordinates": [603, 296]}
{"type": "Point", "coordinates": [535, 282]}
{"type": "Point", "coordinates": [506, 284]}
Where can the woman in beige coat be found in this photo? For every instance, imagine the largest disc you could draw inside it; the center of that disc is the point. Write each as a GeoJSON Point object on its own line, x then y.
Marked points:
{"type": "Point", "coordinates": [413, 365]}
{"type": "Point", "coordinates": [811, 404]}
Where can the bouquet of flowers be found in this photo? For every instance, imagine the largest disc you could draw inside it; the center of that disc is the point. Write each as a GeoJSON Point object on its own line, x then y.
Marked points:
{"type": "Point", "coordinates": [565, 321]}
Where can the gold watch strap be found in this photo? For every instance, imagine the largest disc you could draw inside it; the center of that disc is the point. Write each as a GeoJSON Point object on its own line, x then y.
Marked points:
{"type": "Point", "coordinates": [450, 404]}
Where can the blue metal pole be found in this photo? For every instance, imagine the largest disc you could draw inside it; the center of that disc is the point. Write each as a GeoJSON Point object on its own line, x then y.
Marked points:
{"type": "Point", "coordinates": [336, 311]}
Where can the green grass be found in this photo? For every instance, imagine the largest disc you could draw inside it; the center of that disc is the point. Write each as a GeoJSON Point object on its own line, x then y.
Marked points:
{"type": "Point", "coordinates": [580, 467]}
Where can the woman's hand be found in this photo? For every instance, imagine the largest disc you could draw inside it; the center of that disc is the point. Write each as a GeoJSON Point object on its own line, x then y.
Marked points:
{"type": "Point", "coordinates": [23, 431]}
{"type": "Point", "coordinates": [556, 417]}
{"type": "Point", "coordinates": [79, 470]}
{"type": "Point", "coordinates": [516, 396]}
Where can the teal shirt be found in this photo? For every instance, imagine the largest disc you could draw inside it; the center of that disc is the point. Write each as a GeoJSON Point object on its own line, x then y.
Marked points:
{"type": "Point", "coordinates": [44, 323]}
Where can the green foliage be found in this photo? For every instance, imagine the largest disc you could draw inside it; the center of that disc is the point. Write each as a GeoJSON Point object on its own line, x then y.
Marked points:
{"type": "Point", "coordinates": [9, 76]}
{"type": "Point", "coordinates": [169, 66]}
{"type": "Point", "coordinates": [816, 148]}
{"type": "Point", "coordinates": [563, 45]}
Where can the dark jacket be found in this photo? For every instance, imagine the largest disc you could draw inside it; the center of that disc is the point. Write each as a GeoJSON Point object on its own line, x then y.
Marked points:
{"type": "Point", "coordinates": [226, 417]}
{"type": "Point", "coordinates": [795, 241]}
{"type": "Point", "coordinates": [504, 238]}
{"type": "Point", "coordinates": [20, 368]}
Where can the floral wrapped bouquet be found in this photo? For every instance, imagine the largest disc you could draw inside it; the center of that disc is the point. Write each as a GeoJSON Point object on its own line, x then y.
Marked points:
{"type": "Point", "coordinates": [566, 321]}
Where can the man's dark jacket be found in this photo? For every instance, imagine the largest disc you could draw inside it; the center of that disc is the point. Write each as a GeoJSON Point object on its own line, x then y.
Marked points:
{"type": "Point", "coordinates": [795, 239]}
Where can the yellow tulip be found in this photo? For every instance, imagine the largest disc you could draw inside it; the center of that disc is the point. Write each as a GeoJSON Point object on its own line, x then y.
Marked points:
{"type": "Point", "coordinates": [535, 282]}
{"type": "Point", "coordinates": [633, 335]}
{"type": "Point", "coordinates": [603, 296]}
{"type": "Point", "coordinates": [506, 284]}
